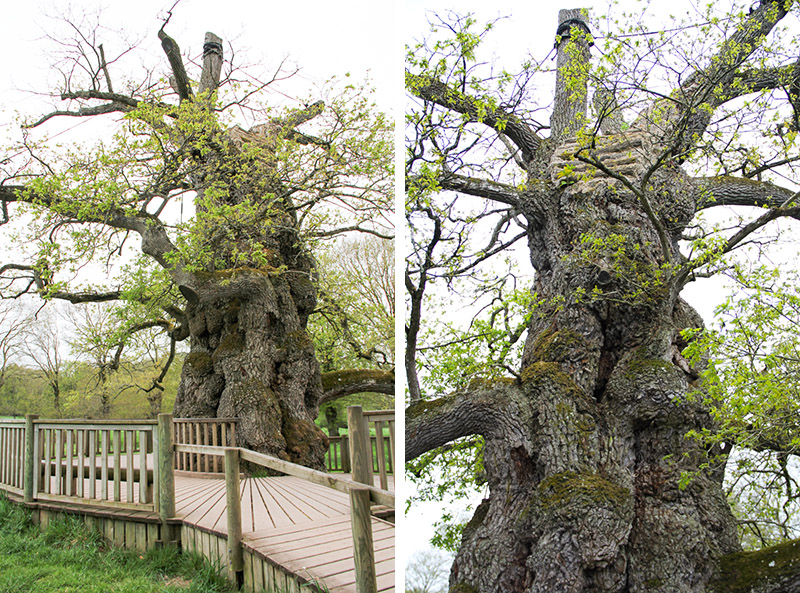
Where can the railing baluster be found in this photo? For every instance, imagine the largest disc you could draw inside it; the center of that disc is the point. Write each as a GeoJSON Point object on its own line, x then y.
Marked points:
{"type": "Point", "coordinates": [117, 438]}
{"type": "Point", "coordinates": [104, 468]}
{"type": "Point", "coordinates": [381, 454]}
{"type": "Point", "coordinates": [214, 442]}
{"type": "Point", "coordinates": [92, 464]}
{"type": "Point", "coordinates": [81, 460]}
{"type": "Point", "coordinates": [68, 465]}
{"type": "Point", "coordinates": [59, 455]}
{"type": "Point", "coordinates": [129, 444]}
{"type": "Point", "coordinates": [143, 467]}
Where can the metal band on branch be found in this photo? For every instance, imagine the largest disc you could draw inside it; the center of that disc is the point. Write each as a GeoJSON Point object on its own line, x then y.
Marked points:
{"type": "Point", "coordinates": [212, 47]}
{"type": "Point", "coordinates": [564, 30]}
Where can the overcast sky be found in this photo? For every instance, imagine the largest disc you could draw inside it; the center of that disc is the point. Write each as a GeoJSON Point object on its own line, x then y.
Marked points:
{"type": "Point", "coordinates": [322, 38]}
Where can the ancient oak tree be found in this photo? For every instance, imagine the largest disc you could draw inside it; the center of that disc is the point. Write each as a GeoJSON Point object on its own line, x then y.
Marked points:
{"type": "Point", "coordinates": [593, 483]}
{"type": "Point", "coordinates": [214, 224]}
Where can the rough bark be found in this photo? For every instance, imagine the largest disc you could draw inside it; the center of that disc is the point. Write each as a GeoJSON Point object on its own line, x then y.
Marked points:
{"type": "Point", "coordinates": [248, 285]}
{"type": "Point", "coordinates": [252, 359]}
{"type": "Point", "coordinates": [586, 452]}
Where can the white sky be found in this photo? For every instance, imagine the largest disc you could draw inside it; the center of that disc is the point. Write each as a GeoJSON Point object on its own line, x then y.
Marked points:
{"type": "Point", "coordinates": [324, 38]}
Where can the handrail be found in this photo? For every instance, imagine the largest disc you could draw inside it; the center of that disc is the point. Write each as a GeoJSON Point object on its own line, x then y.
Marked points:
{"type": "Point", "coordinates": [377, 495]}
{"type": "Point", "coordinates": [83, 421]}
{"type": "Point", "coordinates": [131, 464]}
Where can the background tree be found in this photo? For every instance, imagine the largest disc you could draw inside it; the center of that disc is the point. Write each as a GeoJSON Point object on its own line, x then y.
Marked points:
{"type": "Point", "coordinates": [12, 327]}
{"type": "Point", "coordinates": [426, 572]}
{"type": "Point", "coordinates": [353, 327]}
{"type": "Point", "coordinates": [223, 219]}
{"type": "Point", "coordinates": [592, 482]}
{"type": "Point", "coordinates": [44, 346]}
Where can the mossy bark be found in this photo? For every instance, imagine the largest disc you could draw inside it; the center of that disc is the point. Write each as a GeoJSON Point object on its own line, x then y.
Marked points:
{"type": "Point", "coordinates": [585, 475]}
{"type": "Point", "coordinates": [252, 359]}
{"type": "Point", "coordinates": [585, 455]}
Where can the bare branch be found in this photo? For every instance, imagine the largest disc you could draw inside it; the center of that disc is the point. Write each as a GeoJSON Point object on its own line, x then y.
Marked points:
{"type": "Point", "coordinates": [433, 423]}
{"type": "Point", "coordinates": [727, 190]}
{"type": "Point", "coordinates": [430, 89]}
{"type": "Point", "coordinates": [82, 112]}
{"type": "Point", "coordinates": [173, 52]}
{"type": "Point", "coordinates": [338, 384]}
{"type": "Point", "coordinates": [104, 66]}
{"type": "Point", "coordinates": [482, 188]}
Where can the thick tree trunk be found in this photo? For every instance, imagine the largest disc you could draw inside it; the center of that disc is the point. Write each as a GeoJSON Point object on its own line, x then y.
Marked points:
{"type": "Point", "coordinates": [252, 359]}
{"type": "Point", "coordinates": [594, 485]}
{"type": "Point", "coordinates": [587, 475]}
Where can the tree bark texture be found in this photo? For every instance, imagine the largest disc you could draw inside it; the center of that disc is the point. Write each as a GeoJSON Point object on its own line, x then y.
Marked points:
{"type": "Point", "coordinates": [586, 453]}
{"type": "Point", "coordinates": [252, 359]}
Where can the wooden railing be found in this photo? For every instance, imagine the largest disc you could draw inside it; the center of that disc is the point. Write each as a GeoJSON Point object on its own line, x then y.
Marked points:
{"type": "Point", "coordinates": [114, 463]}
{"type": "Point", "coordinates": [131, 465]}
{"type": "Point", "coordinates": [12, 455]}
{"type": "Point", "coordinates": [379, 450]}
{"type": "Point", "coordinates": [213, 432]}
{"type": "Point", "coordinates": [82, 462]}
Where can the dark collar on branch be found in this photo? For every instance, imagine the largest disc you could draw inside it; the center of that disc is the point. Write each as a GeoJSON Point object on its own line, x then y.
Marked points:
{"type": "Point", "coordinates": [563, 31]}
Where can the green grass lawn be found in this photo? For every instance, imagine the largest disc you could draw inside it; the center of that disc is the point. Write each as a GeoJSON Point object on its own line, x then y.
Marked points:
{"type": "Point", "coordinates": [67, 558]}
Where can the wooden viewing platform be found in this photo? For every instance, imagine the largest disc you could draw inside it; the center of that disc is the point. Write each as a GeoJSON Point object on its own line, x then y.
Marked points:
{"type": "Point", "coordinates": [277, 533]}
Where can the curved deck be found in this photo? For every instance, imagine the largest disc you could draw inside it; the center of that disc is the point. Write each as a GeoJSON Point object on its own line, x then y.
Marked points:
{"type": "Point", "coordinates": [299, 527]}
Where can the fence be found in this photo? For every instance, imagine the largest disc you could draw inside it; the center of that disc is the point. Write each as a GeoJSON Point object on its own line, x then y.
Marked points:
{"type": "Point", "coordinates": [214, 432]}
{"type": "Point", "coordinates": [362, 495]}
{"type": "Point", "coordinates": [108, 463]}
{"type": "Point", "coordinates": [113, 464]}
{"type": "Point", "coordinates": [131, 465]}
{"type": "Point", "coordinates": [12, 448]}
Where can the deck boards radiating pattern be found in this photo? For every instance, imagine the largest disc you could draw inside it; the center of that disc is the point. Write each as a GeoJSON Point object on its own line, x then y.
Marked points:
{"type": "Point", "coordinates": [300, 526]}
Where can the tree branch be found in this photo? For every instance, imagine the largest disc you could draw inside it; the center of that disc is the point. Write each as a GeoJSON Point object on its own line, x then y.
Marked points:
{"type": "Point", "coordinates": [173, 52]}
{"type": "Point", "coordinates": [770, 570]}
{"type": "Point", "coordinates": [727, 190]}
{"type": "Point", "coordinates": [337, 384]}
{"type": "Point", "coordinates": [433, 423]}
{"type": "Point", "coordinates": [431, 89]}
{"type": "Point", "coordinates": [736, 49]}
{"type": "Point", "coordinates": [82, 112]}
{"type": "Point", "coordinates": [155, 240]}
{"type": "Point", "coordinates": [754, 80]}
{"type": "Point", "coordinates": [481, 188]}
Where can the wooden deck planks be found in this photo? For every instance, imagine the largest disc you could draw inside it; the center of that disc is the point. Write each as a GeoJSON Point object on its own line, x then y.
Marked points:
{"type": "Point", "coordinates": [302, 527]}
{"type": "Point", "coordinates": [322, 550]}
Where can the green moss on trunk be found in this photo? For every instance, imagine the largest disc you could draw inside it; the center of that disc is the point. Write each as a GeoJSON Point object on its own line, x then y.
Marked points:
{"type": "Point", "coordinates": [569, 489]}
{"type": "Point", "coordinates": [742, 572]}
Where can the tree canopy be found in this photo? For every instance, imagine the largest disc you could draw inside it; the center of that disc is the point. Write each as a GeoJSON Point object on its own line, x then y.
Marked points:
{"type": "Point", "coordinates": [197, 210]}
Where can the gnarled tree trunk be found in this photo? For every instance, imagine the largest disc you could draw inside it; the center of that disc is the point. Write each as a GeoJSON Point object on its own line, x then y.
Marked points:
{"type": "Point", "coordinates": [593, 483]}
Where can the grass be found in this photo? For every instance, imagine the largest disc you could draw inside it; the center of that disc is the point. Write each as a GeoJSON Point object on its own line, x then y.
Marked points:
{"type": "Point", "coordinates": [67, 558]}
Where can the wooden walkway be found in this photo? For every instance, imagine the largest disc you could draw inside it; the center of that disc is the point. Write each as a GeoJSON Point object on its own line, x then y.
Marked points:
{"type": "Point", "coordinates": [300, 530]}
{"type": "Point", "coordinates": [302, 527]}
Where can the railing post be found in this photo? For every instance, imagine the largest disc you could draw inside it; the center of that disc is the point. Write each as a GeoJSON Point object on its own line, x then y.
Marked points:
{"type": "Point", "coordinates": [30, 462]}
{"type": "Point", "coordinates": [359, 439]}
{"type": "Point", "coordinates": [235, 557]}
{"type": "Point", "coordinates": [363, 552]}
{"type": "Point", "coordinates": [166, 476]}
{"type": "Point", "coordinates": [344, 450]}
